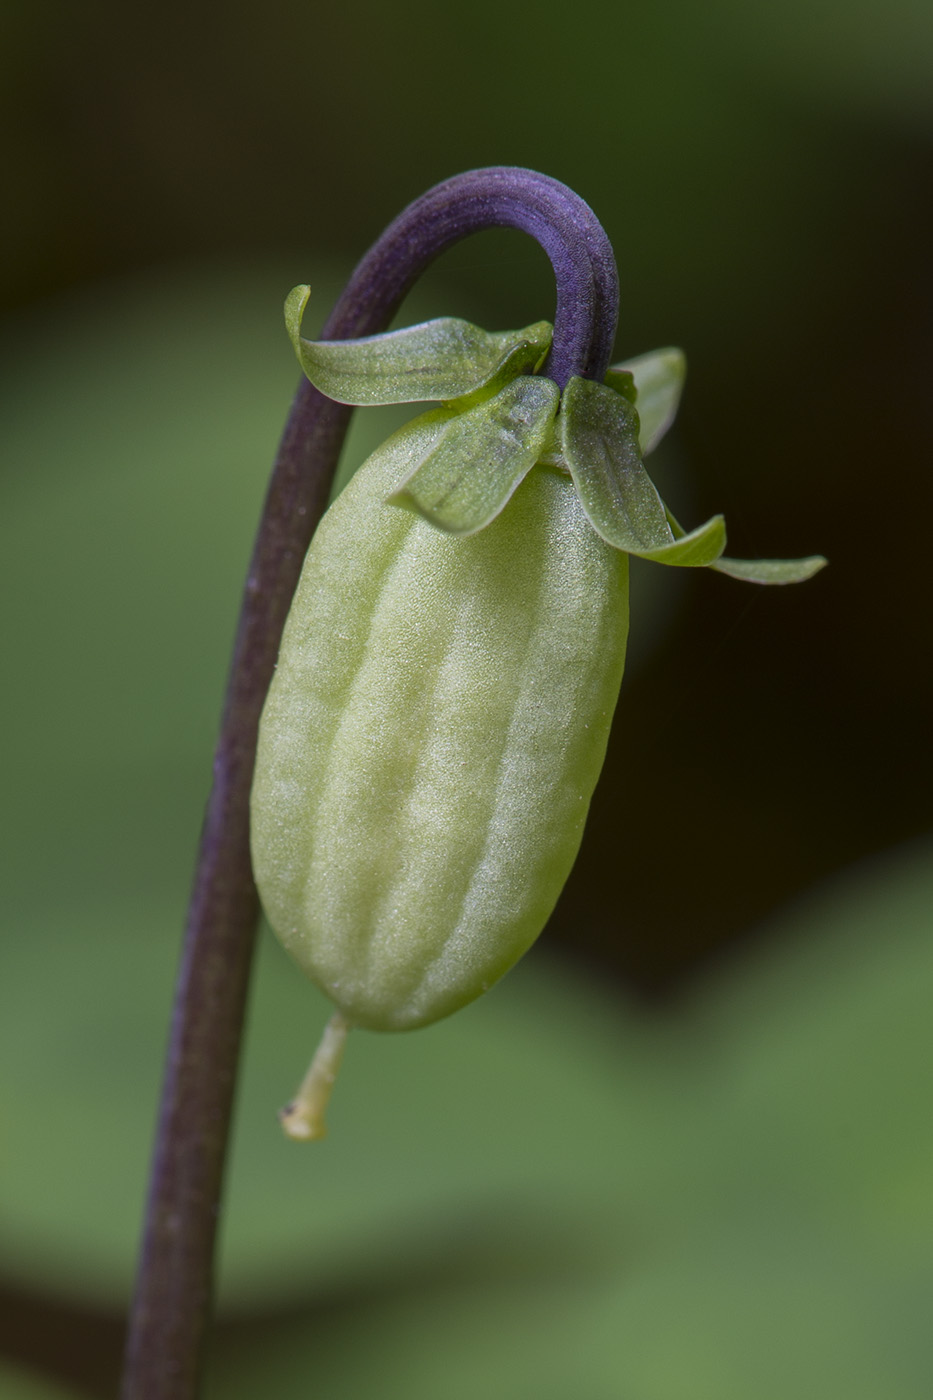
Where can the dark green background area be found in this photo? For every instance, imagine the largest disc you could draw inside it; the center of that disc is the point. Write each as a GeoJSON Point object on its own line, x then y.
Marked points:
{"type": "Point", "coordinates": [764, 172]}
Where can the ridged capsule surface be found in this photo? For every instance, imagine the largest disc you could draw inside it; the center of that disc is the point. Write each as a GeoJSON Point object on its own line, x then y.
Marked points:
{"type": "Point", "coordinates": [431, 740]}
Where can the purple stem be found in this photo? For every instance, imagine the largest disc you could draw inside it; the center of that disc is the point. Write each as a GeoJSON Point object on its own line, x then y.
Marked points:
{"type": "Point", "coordinates": [172, 1302]}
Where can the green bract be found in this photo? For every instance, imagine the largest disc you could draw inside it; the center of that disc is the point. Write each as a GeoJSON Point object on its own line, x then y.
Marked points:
{"type": "Point", "coordinates": [448, 671]}
{"type": "Point", "coordinates": [476, 458]}
{"type": "Point", "coordinates": [654, 382]}
{"type": "Point", "coordinates": [441, 359]}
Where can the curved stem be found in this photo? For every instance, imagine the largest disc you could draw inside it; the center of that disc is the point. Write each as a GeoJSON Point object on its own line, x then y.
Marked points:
{"type": "Point", "coordinates": [502, 197]}
{"type": "Point", "coordinates": [172, 1302]}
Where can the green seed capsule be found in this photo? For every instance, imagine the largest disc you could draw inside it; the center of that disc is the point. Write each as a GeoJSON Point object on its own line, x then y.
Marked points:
{"type": "Point", "coordinates": [431, 741]}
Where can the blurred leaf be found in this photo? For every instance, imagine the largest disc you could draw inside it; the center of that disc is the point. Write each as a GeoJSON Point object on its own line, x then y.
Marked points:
{"type": "Point", "coordinates": [823, 1054]}
{"type": "Point", "coordinates": [458, 1119]}
{"type": "Point", "coordinates": [130, 501]}
{"type": "Point", "coordinates": [130, 504]}
{"type": "Point", "coordinates": [17, 1383]}
{"type": "Point", "coordinates": [432, 1129]}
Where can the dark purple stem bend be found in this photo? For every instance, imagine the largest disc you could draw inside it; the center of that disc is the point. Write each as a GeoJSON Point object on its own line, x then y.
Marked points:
{"type": "Point", "coordinates": [172, 1302]}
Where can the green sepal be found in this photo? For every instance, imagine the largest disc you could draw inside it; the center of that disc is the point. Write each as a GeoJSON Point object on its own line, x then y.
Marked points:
{"type": "Point", "coordinates": [436, 360]}
{"type": "Point", "coordinates": [772, 570]}
{"type": "Point", "coordinates": [599, 443]}
{"type": "Point", "coordinates": [623, 382]}
{"type": "Point", "coordinates": [517, 362]}
{"type": "Point", "coordinates": [699, 549]}
{"type": "Point", "coordinates": [767, 571]}
{"type": "Point", "coordinates": [470, 467]}
{"type": "Point", "coordinates": [658, 379]}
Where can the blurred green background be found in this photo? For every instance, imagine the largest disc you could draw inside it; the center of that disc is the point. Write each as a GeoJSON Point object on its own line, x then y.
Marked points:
{"type": "Point", "coordinates": [684, 1150]}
